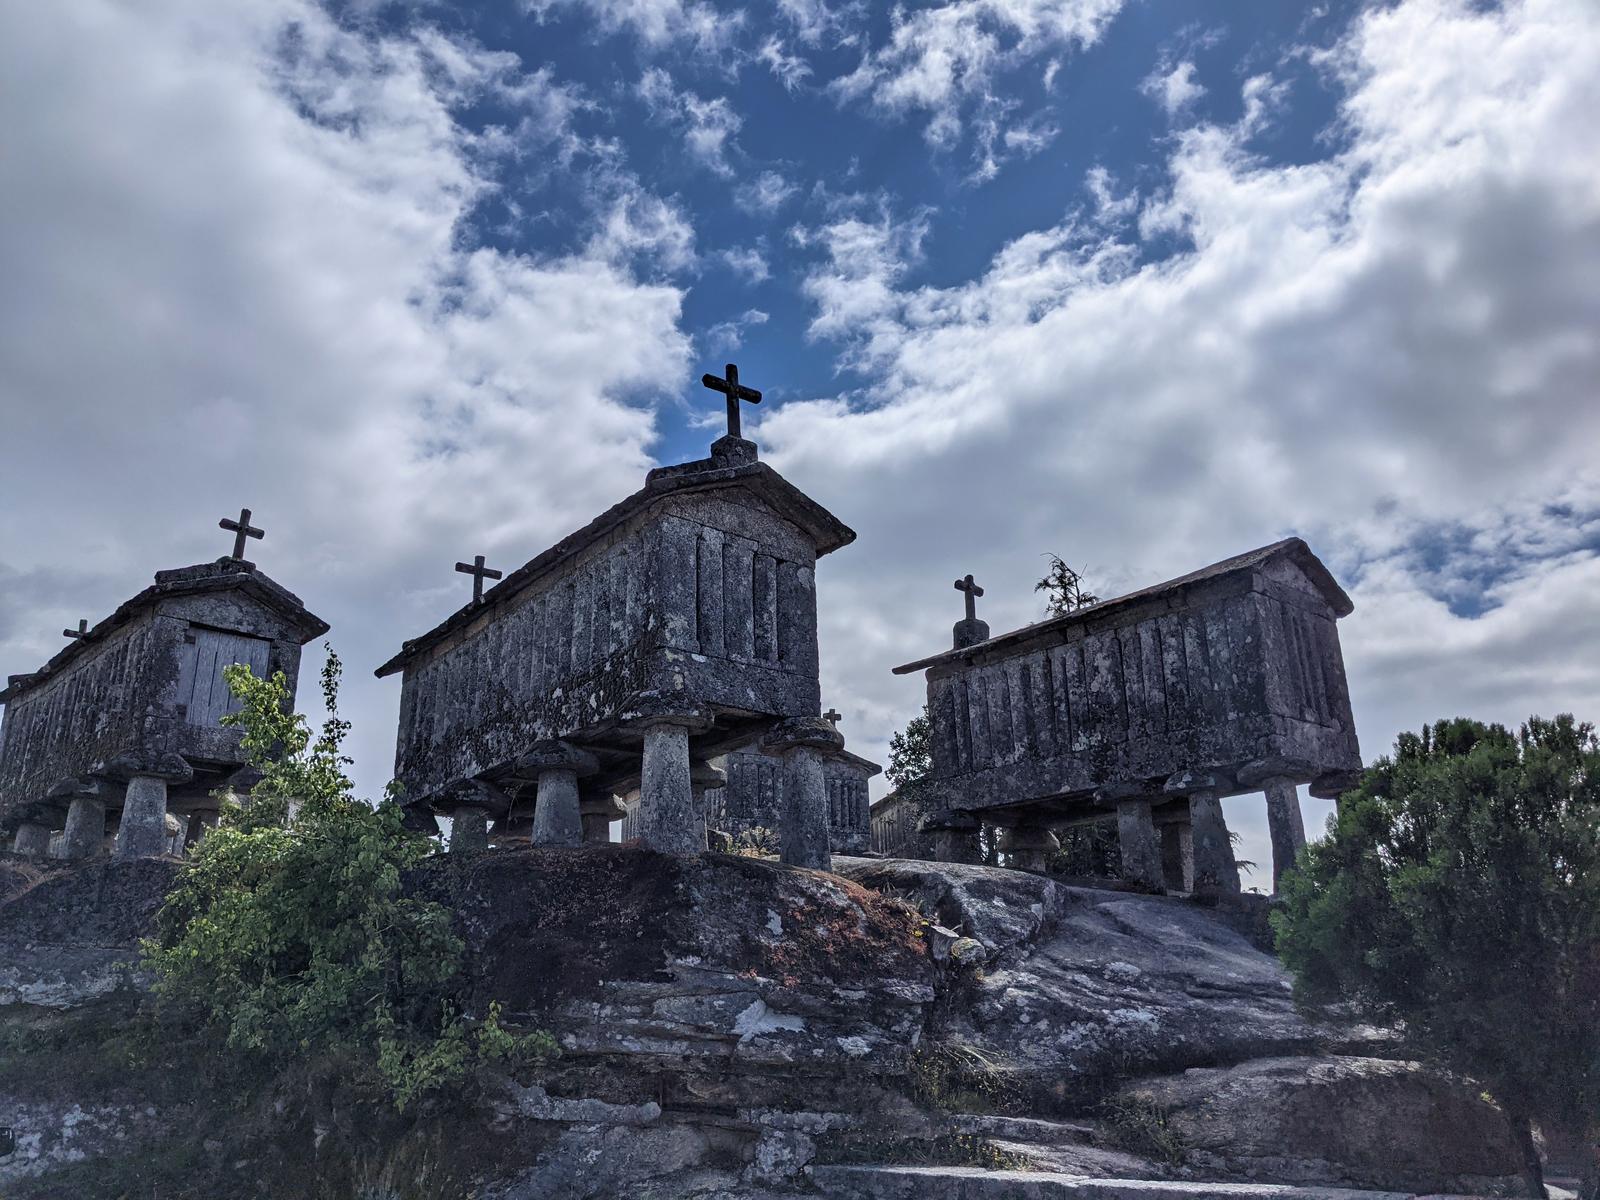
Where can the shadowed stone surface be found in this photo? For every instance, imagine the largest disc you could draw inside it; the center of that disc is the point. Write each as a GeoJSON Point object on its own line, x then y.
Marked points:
{"type": "Point", "coordinates": [729, 1022]}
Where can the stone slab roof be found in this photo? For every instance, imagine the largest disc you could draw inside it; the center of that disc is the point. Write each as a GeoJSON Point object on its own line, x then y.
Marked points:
{"type": "Point", "coordinates": [226, 574]}
{"type": "Point", "coordinates": [1292, 549]}
{"type": "Point", "coordinates": [732, 464]}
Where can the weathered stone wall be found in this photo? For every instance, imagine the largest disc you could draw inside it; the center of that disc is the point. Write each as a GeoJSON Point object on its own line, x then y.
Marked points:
{"type": "Point", "coordinates": [150, 680]}
{"type": "Point", "coordinates": [1245, 669]}
{"type": "Point", "coordinates": [700, 598]}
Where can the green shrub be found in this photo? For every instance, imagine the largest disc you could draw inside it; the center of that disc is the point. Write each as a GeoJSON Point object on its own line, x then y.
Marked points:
{"type": "Point", "coordinates": [289, 933]}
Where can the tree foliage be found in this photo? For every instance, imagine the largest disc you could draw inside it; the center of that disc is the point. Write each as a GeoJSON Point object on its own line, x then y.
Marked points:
{"type": "Point", "coordinates": [910, 755]}
{"type": "Point", "coordinates": [1063, 589]}
{"type": "Point", "coordinates": [289, 933]}
{"type": "Point", "coordinates": [1458, 896]}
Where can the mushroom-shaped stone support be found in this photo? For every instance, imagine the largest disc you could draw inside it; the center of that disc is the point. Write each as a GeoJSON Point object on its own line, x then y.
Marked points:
{"type": "Point", "coordinates": [1137, 839]}
{"type": "Point", "coordinates": [669, 821]}
{"type": "Point", "coordinates": [34, 824]}
{"type": "Point", "coordinates": [1286, 826]}
{"type": "Point", "coordinates": [471, 804]}
{"type": "Point", "coordinates": [802, 743]}
{"type": "Point", "coordinates": [1215, 870]}
{"type": "Point", "coordinates": [598, 808]}
{"type": "Point", "coordinates": [1028, 847]}
{"type": "Point", "coordinates": [143, 829]}
{"type": "Point", "coordinates": [85, 830]}
{"type": "Point", "coordinates": [557, 811]}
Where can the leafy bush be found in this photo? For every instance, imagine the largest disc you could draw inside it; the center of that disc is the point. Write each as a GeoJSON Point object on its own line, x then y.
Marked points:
{"type": "Point", "coordinates": [1458, 896]}
{"type": "Point", "coordinates": [290, 935]}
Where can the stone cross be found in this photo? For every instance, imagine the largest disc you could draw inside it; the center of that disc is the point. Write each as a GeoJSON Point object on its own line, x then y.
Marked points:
{"type": "Point", "coordinates": [973, 591]}
{"type": "Point", "coordinates": [832, 717]}
{"type": "Point", "coordinates": [735, 392]}
{"type": "Point", "coordinates": [479, 573]}
{"type": "Point", "coordinates": [241, 529]}
{"type": "Point", "coordinates": [81, 631]}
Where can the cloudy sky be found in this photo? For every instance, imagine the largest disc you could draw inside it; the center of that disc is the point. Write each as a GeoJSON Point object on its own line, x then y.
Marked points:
{"type": "Point", "coordinates": [1144, 283]}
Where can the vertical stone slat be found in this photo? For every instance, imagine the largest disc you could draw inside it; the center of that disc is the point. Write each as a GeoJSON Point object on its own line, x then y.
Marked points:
{"type": "Point", "coordinates": [764, 605]}
{"type": "Point", "coordinates": [738, 606]}
{"type": "Point", "coordinates": [709, 598]}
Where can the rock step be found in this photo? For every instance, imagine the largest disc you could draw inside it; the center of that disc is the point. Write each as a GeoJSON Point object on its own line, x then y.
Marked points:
{"type": "Point", "coordinates": [975, 1183]}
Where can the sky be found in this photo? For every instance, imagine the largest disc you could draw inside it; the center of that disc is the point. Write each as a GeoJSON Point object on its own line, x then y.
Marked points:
{"type": "Point", "coordinates": [1143, 283]}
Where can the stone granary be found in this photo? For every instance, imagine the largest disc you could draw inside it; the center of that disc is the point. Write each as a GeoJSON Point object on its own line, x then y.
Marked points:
{"type": "Point", "coordinates": [126, 718]}
{"type": "Point", "coordinates": [676, 626]}
{"type": "Point", "coordinates": [1153, 706]}
{"type": "Point", "coordinates": [753, 797]}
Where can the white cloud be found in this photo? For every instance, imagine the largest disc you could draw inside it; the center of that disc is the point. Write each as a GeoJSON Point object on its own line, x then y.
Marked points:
{"type": "Point", "coordinates": [240, 273]}
{"type": "Point", "coordinates": [707, 126]}
{"type": "Point", "coordinates": [1173, 86]}
{"type": "Point", "coordinates": [1393, 344]}
{"type": "Point", "coordinates": [656, 23]}
{"type": "Point", "coordinates": [790, 69]}
{"type": "Point", "coordinates": [727, 336]}
{"type": "Point", "coordinates": [943, 59]}
{"type": "Point", "coordinates": [765, 194]}
{"type": "Point", "coordinates": [748, 262]}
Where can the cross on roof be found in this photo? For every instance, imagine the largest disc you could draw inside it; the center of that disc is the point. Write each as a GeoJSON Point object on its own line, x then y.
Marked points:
{"type": "Point", "coordinates": [479, 573]}
{"type": "Point", "coordinates": [973, 591]}
{"type": "Point", "coordinates": [833, 717]}
{"type": "Point", "coordinates": [241, 529]}
{"type": "Point", "coordinates": [81, 631]}
{"type": "Point", "coordinates": [735, 392]}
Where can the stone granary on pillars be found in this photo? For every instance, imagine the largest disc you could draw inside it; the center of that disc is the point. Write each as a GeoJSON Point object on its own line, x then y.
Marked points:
{"type": "Point", "coordinates": [753, 795]}
{"type": "Point", "coordinates": [126, 719]}
{"type": "Point", "coordinates": [1154, 706]}
{"type": "Point", "coordinates": [676, 626]}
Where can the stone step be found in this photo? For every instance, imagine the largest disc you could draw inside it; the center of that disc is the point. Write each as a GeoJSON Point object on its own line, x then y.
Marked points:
{"type": "Point", "coordinates": [975, 1183]}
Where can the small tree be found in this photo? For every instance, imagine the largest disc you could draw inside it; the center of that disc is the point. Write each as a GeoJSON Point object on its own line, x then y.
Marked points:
{"type": "Point", "coordinates": [910, 755]}
{"type": "Point", "coordinates": [1063, 589]}
{"type": "Point", "coordinates": [289, 933]}
{"type": "Point", "coordinates": [1458, 896]}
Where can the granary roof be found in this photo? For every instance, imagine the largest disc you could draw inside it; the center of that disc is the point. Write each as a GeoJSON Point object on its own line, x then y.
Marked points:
{"type": "Point", "coordinates": [1291, 549]}
{"type": "Point", "coordinates": [732, 464]}
{"type": "Point", "coordinates": [226, 574]}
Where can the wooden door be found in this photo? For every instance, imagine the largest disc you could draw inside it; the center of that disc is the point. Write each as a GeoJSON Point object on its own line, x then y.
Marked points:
{"type": "Point", "coordinates": [202, 689]}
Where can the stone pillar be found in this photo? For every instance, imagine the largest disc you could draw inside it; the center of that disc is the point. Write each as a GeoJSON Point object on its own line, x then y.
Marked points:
{"type": "Point", "coordinates": [1028, 847]}
{"type": "Point", "coordinates": [469, 830]}
{"type": "Point", "coordinates": [945, 836]}
{"type": "Point", "coordinates": [1177, 855]}
{"type": "Point", "coordinates": [557, 813]}
{"type": "Point", "coordinates": [668, 820]}
{"type": "Point", "coordinates": [1139, 843]}
{"type": "Point", "coordinates": [598, 808]}
{"type": "Point", "coordinates": [802, 743]}
{"type": "Point", "coordinates": [1285, 826]}
{"type": "Point", "coordinates": [86, 827]}
{"type": "Point", "coordinates": [1215, 870]}
{"type": "Point", "coordinates": [32, 838]}
{"type": "Point", "coordinates": [142, 832]}
{"type": "Point", "coordinates": [703, 777]}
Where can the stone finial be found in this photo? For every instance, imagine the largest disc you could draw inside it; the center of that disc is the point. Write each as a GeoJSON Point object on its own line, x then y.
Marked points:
{"type": "Point", "coordinates": [735, 391]}
{"type": "Point", "coordinates": [833, 716]}
{"type": "Point", "coordinates": [82, 631]}
{"type": "Point", "coordinates": [241, 529]}
{"type": "Point", "coordinates": [479, 573]}
{"type": "Point", "coordinates": [969, 631]}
